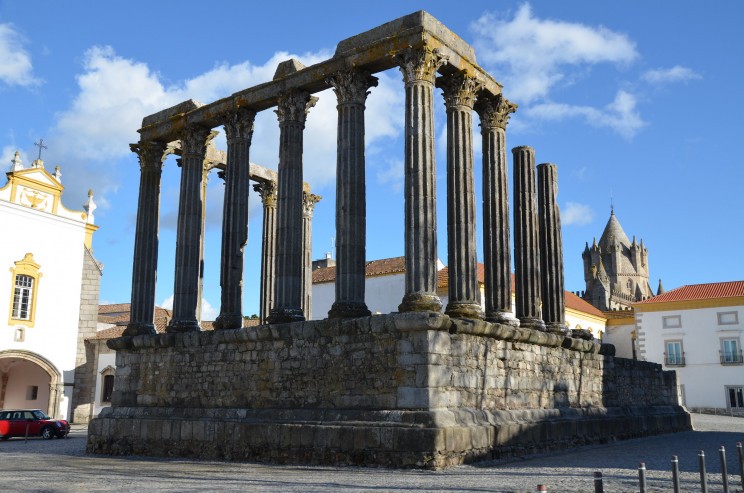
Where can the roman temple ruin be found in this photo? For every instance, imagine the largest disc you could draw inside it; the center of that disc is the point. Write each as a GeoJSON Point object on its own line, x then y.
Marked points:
{"type": "Point", "coordinates": [420, 387]}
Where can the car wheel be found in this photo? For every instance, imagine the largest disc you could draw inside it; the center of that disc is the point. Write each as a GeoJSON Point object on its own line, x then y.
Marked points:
{"type": "Point", "coordinates": [47, 433]}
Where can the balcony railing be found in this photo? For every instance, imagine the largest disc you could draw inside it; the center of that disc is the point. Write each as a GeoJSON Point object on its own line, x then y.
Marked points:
{"type": "Point", "coordinates": [674, 359]}
{"type": "Point", "coordinates": [731, 358]}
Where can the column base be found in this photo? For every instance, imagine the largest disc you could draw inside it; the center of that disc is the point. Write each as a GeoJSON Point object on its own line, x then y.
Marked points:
{"type": "Point", "coordinates": [285, 315]}
{"type": "Point", "coordinates": [464, 309]}
{"type": "Point", "coordinates": [582, 334]}
{"type": "Point", "coordinates": [139, 329]}
{"type": "Point", "coordinates": [532, 323]}
{"type": "Point", "coordinates": [420, 302]}
{"type": "Point", "coordinates": [503, 318]}
{"type": "Point", "coordinates": [227, 321]}
{"type": "Point", "coordinates": [183, 326]}
{"type": "Point", "coordinates": [556, 328]}
{"type": "Point", "coordinates": [349, 309]}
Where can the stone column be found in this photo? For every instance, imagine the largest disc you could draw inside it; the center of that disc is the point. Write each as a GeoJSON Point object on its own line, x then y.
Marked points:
{"type": "Point", "coordinates": [308, 206]}
{"type": "Point", "coordinates": [464, 292]}
{"type": "Point", "coordinates": [351, 201]}
{"type": "Point", "coordinates": [189, 233]}
{"type": "Point", "coordinates": [267, 190]}
{"type": "Point", "coordinates": [291, 110]}
{"type": "Point", "coordinates": [419, 68]}
{"type": "Point", "coordinates": [551, 249]}
{"type": "Point", "coordinates": [494, 114]}
{"type": "Point", "coordinates": [145, 267]}
{"type": "Point", "coordinates": [526, 249]}
{"type": "Point", "coordinates": [239, 130]}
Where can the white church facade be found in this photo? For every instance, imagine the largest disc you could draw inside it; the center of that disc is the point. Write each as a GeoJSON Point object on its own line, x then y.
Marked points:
{"type": "Point", "coordinates": [49, 283]}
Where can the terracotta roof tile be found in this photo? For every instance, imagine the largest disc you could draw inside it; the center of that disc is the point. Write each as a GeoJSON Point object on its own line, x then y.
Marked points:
{"type": "Point", "coordinates": [382, 267]}
{"type": "Point", "coordinates": [708, 291]}
{"type": "Point", "coordinates": [576, 303]}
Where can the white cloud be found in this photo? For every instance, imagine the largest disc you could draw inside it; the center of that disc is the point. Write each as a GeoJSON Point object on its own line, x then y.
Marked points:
{"type": "Point", "coordinates": [15, 62]}
{"type": "Point", "coordinates": [677, 73]}
{"type": "Point", "coordinates": [575, 213]}
{"type": "Point", "coordinates": [208, 311]}
{"type": "Point", "coordinates": [531, 55]}
{"type": "Point", "coordinates": [620, 115]}
{"type": "Point", "coordinates": [115, 93]}
{"type": "Point", "coordinates": [391, 174]}
{"type": "Point", "coordinates": [8, 153]}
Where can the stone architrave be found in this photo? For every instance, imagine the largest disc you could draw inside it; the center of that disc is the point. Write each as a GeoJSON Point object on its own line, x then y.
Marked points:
{"type": "Point", "coordinates": [526, 238]}
{"type": "Point", "coordinates": [308, 206]}
{"type": "Point", "coordinates": [144, 270]}
{"type": "Point", "coordinates": [419, 67]}
{"type": "Point", "coordinates": [291, 111]}
{"type": "Point", "coordinates": [494, 112]}
{"type": "Point", "coordinates": [267, 191]}
{"type": "Point", "coordinates": [551, 249]}
{"type": "Point", "coordinates": [351, 88]}
{"type": "Point", "coordinates": [189, 232]}
{"type": "Point", "coordinates": [238, 130]}
{"type": "Point", "coordinates": [459, 92]}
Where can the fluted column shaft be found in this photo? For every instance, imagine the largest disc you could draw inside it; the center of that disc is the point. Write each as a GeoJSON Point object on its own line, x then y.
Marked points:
{"type": "Point", "coordinates": [419, 67]}
{"type": "Point", "coordinates": [238, 130]}
{"type": "Point", "coordinates": [551, 249]}
{"type": "Point", "coordinates": [267, 190]}
{"type": "Point", "coordinates": [351, 201]}
{"type": "Point", "coordinates": [291, 111]}
{"type": "Point", "coordinates": [526, 248]}
{"type": "Point", "coordinates": [189, 232]}
{"type": "Point", "coordinates": [145, 266]}
{"type": "Point", "coordinates": [494, 114]}
{"type": "Point", "coordinates": [308, 205]}
{"type": "Point", "coordinates": [463, 290]}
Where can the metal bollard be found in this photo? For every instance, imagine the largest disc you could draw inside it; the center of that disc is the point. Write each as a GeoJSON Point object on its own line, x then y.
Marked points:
{"type": "Point", "coordinates": [703, 473]}
{"type": "Point", "coordinates": [675, 473]}
{"type": "Point", "coordinates": [598, 484]}
{"type": "Point", "coordinates": [741, 463]}
{"type": "Point", "coordinates": [724, 469]}
{"type": "Point", "coordinates": [642, 477]}
{"type": "Point", "coordinates": [541, 488]}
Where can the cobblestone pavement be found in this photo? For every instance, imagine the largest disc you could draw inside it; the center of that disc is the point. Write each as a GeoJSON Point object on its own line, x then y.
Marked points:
{"type": "Point", "coordinates": [62, 466]}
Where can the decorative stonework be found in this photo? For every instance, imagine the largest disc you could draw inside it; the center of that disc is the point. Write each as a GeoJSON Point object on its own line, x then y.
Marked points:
{"type": "Point", "coordinates": [239, 124]}
{"type": "Point", "coordinates": [308, 203]}
{"type": "Point", "coordinates": [459, 90]}
{"type": "Point", "coordinates": [151, 154]}
{"type": "Point", "coordinates": [294, 106]}
{"type": "Point", "coordinates": [420, 64]}
{"type": "Point", "coordinates": [195, 141]}
{"type": "Point", "coordinates": [494, 111]}
{"type": "Point", "coordinates": [351, 86]}
{"type": "Point", "coordinates": [267, 191]}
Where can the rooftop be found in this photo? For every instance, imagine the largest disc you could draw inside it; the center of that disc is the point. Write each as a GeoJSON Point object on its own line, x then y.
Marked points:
{"type": "Point", "coordinates": [709, 291]}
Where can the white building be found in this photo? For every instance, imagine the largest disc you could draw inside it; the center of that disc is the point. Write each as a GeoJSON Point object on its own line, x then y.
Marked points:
{"type": "Point", "coordinates": [48, 294]}
{"type": "Point", "coordinates": [697, 331]}
{"type": "Point", "coordinates": [385, 287]}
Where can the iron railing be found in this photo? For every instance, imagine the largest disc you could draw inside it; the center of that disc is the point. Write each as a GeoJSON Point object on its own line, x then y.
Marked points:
{"type": "Point", "coordinates": [731, 358]}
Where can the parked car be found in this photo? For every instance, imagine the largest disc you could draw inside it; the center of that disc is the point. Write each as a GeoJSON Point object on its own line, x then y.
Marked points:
{"type": "Point", "coordinates": [16, 422]}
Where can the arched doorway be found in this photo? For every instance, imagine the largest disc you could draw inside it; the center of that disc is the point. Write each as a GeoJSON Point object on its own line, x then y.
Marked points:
{"type": "Point", "coordinates": [28, 380]}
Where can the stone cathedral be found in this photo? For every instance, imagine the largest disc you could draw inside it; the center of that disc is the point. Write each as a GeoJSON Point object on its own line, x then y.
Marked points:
{"type": "Point", "coordinates": [616, 269]}
{"type": "Point", "coordinates": [412, 388]}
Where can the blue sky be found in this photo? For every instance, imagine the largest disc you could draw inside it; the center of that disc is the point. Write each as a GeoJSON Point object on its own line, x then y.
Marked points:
{"type": "Point", "coordinates": [638, 102]}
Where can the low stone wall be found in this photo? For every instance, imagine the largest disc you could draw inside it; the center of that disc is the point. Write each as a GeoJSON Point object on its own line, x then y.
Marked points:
{"type": "Point", "coordinates": [399, 390]}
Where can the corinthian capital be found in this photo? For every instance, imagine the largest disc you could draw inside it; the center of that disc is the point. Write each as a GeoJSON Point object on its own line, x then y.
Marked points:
{"type": "Point", "coordinates": [267, 191]}
{"type": "Point", "coordinates": [459, 89]}
{"type": "Point", "coordinates": [239, 124]}
{"type": "Point", "coordinates": [195, 140]}
{"type": "Point", "coordinates": [151, 154]}
{"type": "Point", "coordinates": [294, 105]}
{"type": "Point", "coordinates": [494, 111]}
{"type": "Point", "coordinates": [351, 86]}
{"type": "Point", "coordinates": [308, 203]}
{"type": "Point", "coordinates": [420, 64]}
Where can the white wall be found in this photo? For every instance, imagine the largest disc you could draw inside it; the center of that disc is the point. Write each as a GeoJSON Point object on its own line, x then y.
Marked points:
{"type": "Point", "coordinates": [703, 377]}
{"type": "Point", "coordinates": [106, 358]}
{"type": "Point", "coordinates": [621, 336]}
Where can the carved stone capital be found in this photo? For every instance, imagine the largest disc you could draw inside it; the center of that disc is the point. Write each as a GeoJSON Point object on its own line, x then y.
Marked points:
{"type": "Point", "coordinates": [494, 111]}
{"type": "Point", "coordinates": [267, 191]}
{"type": "Point", "coordinates": [308, 203]}
{"type": "Point", "coordinates": [420, 64]}
{"type": "Point", "coordinates": [151, 154]}
{"type": "Point", "coordinates": [459, 89]}
{"type": "Point", "coordinates": [195, 140]}
{"type": "Point", "coordinates": [239, 124]}
{"type": "Point", "coordinates": [294, 105]}
{"type": "Point", "coordinates": [351, 86]}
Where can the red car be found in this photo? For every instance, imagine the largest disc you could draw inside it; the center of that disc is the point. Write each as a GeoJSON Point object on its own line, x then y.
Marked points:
{"type": "Point", "coordinates": [19, 422]}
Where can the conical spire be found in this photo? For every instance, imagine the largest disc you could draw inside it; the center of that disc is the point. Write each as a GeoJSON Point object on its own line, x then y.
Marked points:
{"type": "Point", "coordinates": [660, 289]}
{"type": "Point", "coordinates": [89, 206]}
{"type": "Point", "coordinates": [16, 163]}
{"type": "Point", "coordinates": [613, 232]}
